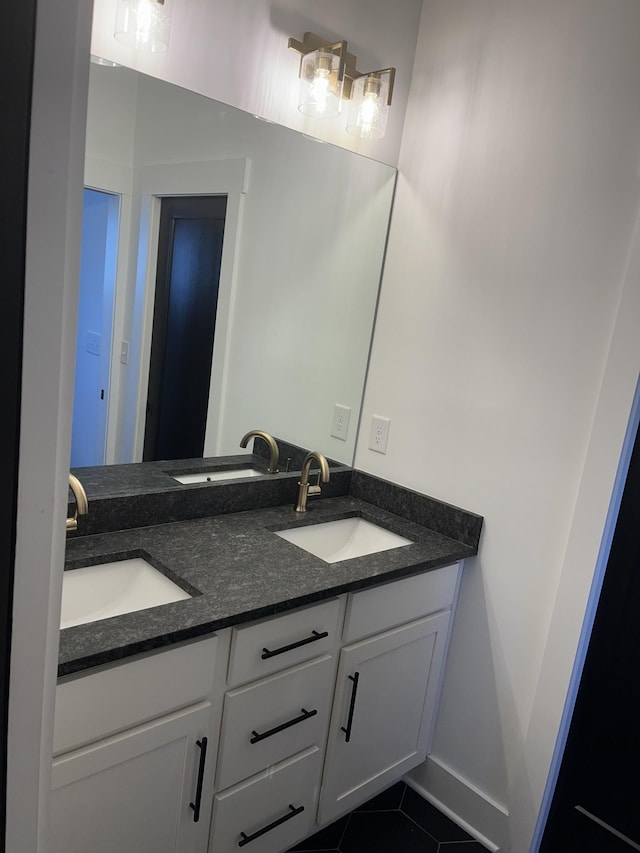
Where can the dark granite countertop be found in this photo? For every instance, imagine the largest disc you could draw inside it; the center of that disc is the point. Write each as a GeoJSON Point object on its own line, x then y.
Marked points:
{"type": "Point", "coordinates": [241, 570]}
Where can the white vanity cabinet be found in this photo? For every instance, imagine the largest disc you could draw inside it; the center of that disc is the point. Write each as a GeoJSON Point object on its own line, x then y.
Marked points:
{"type": "Point", "coordinates": [387, 688]}
{"type": "Point", "coordinates": [133, 768]}
{"type": "Point", "coordinates": [304, 716]}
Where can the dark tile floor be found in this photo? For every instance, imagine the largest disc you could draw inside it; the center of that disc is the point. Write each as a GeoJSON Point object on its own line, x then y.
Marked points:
{"type": "Point", "coordinates": [396, 821]}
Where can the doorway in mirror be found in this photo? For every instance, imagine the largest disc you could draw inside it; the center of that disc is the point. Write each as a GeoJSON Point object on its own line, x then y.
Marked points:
{"type": "Point", "coordinates": [186, 297]}
{"type": "Point", "coordinates": [98, 256]}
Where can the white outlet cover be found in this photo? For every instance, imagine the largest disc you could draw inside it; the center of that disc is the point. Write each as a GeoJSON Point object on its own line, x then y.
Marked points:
{"type": "Point", "coordinates": [379, 433]}
{"type": "Point", "coordinates": [340, 422]}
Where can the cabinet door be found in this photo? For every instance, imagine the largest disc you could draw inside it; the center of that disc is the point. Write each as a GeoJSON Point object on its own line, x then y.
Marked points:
{"type": "Point", "coordinates": [384, 705]}
{"type": "Point", "coordinates": [132, 792]}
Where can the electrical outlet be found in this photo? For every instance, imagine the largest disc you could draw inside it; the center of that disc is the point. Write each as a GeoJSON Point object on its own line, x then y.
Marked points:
{"type": "Point", "coordinates": [340, 422]}
{"type": "Point", "coordinates": [379, 434]}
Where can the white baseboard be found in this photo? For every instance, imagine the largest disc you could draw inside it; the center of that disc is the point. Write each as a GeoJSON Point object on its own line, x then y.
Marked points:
{"type": "Point", "coordinates": [457, 798]}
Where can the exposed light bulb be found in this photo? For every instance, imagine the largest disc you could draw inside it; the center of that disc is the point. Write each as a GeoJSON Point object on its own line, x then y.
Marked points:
{"type": "Point", "coordinates": [143, 24]}
{"type": "Point", "coordinates": [319, 91]}
{"type": "Point", "coordinates": [320, 88]}
{"type": "Point", "coordinates": [368, 113]}
{"type": "Point", "coordinates": [369, 108]}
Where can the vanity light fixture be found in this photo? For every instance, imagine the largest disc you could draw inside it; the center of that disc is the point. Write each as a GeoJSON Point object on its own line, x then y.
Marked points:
{"type": "Point", "coordinates": [369, 105]}
{"type": "Point", "coordinates": [328, 76]}
{"type": "Point", "coordinates": [143, 24]}
{"type": "Point", "coordinates": [322, 75]}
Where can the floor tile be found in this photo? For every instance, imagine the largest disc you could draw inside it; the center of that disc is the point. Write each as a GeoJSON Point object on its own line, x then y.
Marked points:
{"type": "Point", "coordinates": [431, 820]}
{"type": "Point", "coordinates": [389, 799]}
{"type": "Point", "coordinates": [328, 838]}
{"type": "Point", "coordinates": [385, 832]}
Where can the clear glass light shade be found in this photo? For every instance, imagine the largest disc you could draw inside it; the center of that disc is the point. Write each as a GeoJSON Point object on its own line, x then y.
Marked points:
{"type": "Point", "coordinates": [368, 108]}
{"type": "Point", "coordinates": [320, 88]}
{"type": "Point", "coordinates": [143, 24]}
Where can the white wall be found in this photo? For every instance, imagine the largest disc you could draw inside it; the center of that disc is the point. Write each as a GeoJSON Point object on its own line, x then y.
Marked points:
{"type": "Point", "coordinates": [236, 52]}
{"type": "Point", "coordinates": [511, 230]}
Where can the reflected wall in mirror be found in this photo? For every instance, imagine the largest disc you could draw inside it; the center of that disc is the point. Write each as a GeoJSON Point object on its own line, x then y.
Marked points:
{"type": "Point", "coordinates": [304, 236]}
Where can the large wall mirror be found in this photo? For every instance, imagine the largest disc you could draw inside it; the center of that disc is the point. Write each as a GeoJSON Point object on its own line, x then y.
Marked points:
{"type": "Point", "coordinates": [297, 235]}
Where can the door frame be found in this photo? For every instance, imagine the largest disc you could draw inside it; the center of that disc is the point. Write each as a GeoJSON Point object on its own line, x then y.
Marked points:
{"type": "Point", "coordinates": [17, 35]}
{"type": "Point", "coordinates": [607, 456]}
{"type": "Point", "coordinates": [115, 179]}
{"type": "Point", "coordinates": [53, 230]}
{"type": "Point", "coordinates": [211, 177]}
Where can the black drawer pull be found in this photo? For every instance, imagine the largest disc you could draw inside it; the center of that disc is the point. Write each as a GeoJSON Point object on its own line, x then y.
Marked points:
{"type": "Point", "coordinates": [247, 838]}
{"type": "Point", "coordinates": [352, 707]}
{"type": "Point", "coordinates": [203, 757]}
{"type": "Point", "coordinates": [304, 715]}
{"type": "Point", "coordinates": [267, 653]}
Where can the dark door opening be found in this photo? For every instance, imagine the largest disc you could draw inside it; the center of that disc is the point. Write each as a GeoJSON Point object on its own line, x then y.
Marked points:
{"type": "Point", "coordinates": [189, 258]}
{"type": "Point", "coordinates": [595, 803]}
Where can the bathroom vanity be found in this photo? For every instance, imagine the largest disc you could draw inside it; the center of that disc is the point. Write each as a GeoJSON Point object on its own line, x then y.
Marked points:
{"type": "Point", "coordinates": [283, 693]}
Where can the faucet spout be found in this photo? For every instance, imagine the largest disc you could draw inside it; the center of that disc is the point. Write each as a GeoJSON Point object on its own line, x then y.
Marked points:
{"type": "Point", "coordinates": [273, 447]}
{"type": "Point", "coordinates": [82, 504]}
{"type": "Point", "coordinates": [304, 489]}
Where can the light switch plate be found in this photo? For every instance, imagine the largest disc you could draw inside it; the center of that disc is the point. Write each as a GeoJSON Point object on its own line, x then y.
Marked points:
{"type": "Point", "coordinates": [379, 434]}
{"type": "Point", "coordinates": [93, 343]}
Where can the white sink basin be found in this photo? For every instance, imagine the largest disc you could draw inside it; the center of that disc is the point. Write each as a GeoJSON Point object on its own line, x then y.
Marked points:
{"type": "Point", "coordinates": [110, 589]}
{"type": "Point", "coordinates": [333, 541]}
{"type": "Point", "coordinates": [214, 476]}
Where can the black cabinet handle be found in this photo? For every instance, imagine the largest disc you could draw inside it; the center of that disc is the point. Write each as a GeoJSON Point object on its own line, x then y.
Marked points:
{"type": "Point", "coordinates": [304, 715]}
{"type": "Point", "coordinates": [352, 707]}
{"type": "Point", "coordinates": [292, 813]}
{"type": "Point", "coordinates": [267, 653]}
{"type": "Point", "coordinates": [203, 757]}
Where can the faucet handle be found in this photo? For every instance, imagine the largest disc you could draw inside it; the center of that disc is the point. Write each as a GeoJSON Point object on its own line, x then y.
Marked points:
{"type": "Point", "coordinates": [315, 490]}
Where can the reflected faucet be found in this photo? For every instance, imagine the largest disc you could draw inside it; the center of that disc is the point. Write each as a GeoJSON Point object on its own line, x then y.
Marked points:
{"type": "Point", "coordinates": [273, 447]}
{"type": "Point", "coordinates": [304, 489]}
{"type": "Point", "coordinates": [82, 504]}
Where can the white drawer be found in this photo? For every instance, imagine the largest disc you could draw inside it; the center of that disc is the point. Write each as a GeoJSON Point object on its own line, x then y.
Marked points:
{"type": "Point", "coordinates": [269, 720]}
{"type": "Point", "coordinates": [261, 648]}
{"type": "Point", "coordinates": [270, 812]}
{"type": "Point", "coordinates": [111, 699]}
{"type": "Point", "coordinates": [382, 607]}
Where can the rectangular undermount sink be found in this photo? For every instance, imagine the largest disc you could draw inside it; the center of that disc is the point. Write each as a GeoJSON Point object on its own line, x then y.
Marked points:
{"type": "Point", "coordinates": [215, 476]}
{"type": "Point", "coordinates": [344, 539]}
{"type": "Point", "coordinates": [111, 589]}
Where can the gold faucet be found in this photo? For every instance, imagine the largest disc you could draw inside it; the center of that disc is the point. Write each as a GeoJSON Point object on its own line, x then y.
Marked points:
{"type": "Point", "coordinates": [273, 447]}
{"type": "Point", "coordinates": [82, 504]}
{"type": "Point", "coordinates": [304, 489]}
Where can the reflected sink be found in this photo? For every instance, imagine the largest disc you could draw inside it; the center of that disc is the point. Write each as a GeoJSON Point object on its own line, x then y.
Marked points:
{"type": "Point", "coordinates": [111, 589]}
{"type": "Point", "coordinates": [333, 541]}
{"type": "Point", "coordinates": [214, 476]}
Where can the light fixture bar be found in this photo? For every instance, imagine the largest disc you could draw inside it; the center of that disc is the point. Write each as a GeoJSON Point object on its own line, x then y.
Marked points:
{"type": "Point", "coordinates": [329, 75]}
